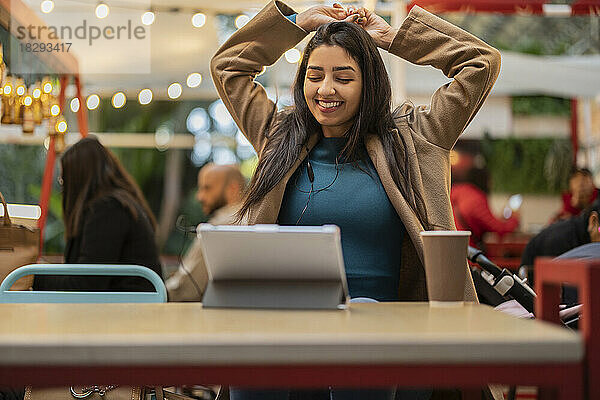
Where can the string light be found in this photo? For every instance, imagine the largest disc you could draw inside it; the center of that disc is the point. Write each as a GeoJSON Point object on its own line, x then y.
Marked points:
{"type": "Point", "coordinates": [61, 126]}
{"type": "Point", "coordinates": [7, 89]}
{"type": "Point", "coordinates": [292, 55]}
{"type": "Point", "coordinates": [148, 18]}
{"type": "Point", "coordinates": [145, 96]}
{"type": "Point", "coordinates": [55, 110]}
{"type": "Point", "coordinates": [27, 101]}
{"type": "Point", "coordinates": [194, 79]}
{"type": "Point", "coordinates": [241, 20]}
{"type": "Point", "coordinates": [198, 20]}
{"type": "Point", "coordinates": [20, 90]}
{"type": "Point", "coordinates": [102, 10]}
{"type": "Point", "coordinates": [37, 93]}
{"type": "Point", "coordinates": [47, 87]}
{"type": "Point", "coordinates": [92, 102]}
{"type": "Point", "coordinates": [74, 104]}
{"type": "Point", "coordinates": [47, 6]}
{"type": "Point", "coordinates": [174, 90]}
{"type": "Point", "coordinates": [118, 100]}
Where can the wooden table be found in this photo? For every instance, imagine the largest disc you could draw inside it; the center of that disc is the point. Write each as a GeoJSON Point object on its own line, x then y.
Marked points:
{"type": "Point", "coordinates": [373, 345]}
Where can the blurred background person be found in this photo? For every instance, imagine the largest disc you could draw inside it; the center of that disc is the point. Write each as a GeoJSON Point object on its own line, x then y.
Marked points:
{"type": "Point", "coordinates": [220, 191]}
{"type": "Point", "coordinates": [107, 221]}
{"type": "Point", "coordinates": [469, 199]}
{"type": "Point", "coordinates": [564, 235]}
{"type": "Point", "coordinates": [582, 192]}
{"type": "Point", "coordinates": [575, 237]}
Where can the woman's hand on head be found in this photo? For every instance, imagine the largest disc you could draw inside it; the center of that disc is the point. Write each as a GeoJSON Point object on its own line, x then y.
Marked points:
{"type": "Point", "coordinates": [381, 32]}
{"type": "Point", "coordinates": [316, 16]}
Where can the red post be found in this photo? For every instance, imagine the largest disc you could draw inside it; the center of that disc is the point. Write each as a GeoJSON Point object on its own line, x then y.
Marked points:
{"type": "Point", "coordinates": [46, 188]}
{"type": "Point", "coordinates": [82, 114]}
{"type": "Point", "coordinates": [64, 79]}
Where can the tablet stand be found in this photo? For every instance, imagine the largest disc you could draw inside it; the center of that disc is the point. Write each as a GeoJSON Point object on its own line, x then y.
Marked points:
{"type": "Point", "coordinates": [274, 294]}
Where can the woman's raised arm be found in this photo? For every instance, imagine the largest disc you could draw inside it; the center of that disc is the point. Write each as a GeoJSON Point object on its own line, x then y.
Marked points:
{"type": "Point", "coordinates": [473, 65]}
{"type": "Point", "coordinates": [241, 58]}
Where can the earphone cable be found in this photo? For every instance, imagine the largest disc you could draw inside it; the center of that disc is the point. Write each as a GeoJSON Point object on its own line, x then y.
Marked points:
{"type": "Point", "coordinates": [312, 191]}
{"type": "Point", "coordinates": [306, 205]}
{"type": "Point", "coordinates": [337, 172]}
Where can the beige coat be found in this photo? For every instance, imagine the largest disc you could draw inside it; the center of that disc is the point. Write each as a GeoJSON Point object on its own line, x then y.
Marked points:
{"type": "Point", "coordinates": [429, 133]}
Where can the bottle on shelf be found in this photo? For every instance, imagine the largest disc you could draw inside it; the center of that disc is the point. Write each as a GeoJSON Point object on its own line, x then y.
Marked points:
{"type": "Point", "coordinates": [20, 91]}
{"type": "Point", "coordinates": [36, 94]}
{"type": "Point", "coordinates": [8, 100]}
{"type": "Point", "coordinates": [27, 113]}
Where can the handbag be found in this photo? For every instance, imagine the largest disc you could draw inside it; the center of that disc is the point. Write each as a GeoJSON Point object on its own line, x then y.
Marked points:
{"type": "Point", "coordinates": [102, 392]}
{"type": "Point", "coordinates": [94, 392]}
{"type": "Point", "coordinates": [19, 245]}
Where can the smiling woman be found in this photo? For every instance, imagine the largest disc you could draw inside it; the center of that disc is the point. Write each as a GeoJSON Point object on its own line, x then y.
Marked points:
{"type": "Point", "coordinates": [340, 155]}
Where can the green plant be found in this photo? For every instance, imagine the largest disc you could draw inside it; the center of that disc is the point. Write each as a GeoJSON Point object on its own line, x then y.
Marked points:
{"type": "Point", "coordinates": [541, 105]}
{"type": "Point", "coordinates": [524, 165]}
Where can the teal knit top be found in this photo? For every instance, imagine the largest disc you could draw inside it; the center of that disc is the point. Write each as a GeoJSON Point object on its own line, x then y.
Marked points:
{"type": "Point", "coordinates": [356, 201]}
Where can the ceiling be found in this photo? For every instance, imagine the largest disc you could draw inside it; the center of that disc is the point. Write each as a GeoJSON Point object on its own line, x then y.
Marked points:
{"type": "Point", "coordinates": [175, 48]}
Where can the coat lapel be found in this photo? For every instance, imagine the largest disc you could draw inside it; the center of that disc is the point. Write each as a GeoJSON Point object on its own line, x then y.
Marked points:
{"type": "Point", "coordinates": [406, 214]}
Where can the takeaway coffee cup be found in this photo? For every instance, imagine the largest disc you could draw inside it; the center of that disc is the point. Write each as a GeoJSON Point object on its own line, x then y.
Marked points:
{"type": "Point", "coordinates": [445, 255]}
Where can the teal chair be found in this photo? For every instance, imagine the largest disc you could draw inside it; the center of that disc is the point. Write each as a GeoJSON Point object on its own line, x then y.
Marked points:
{"type": "Point", "coordinates": [32, 296]}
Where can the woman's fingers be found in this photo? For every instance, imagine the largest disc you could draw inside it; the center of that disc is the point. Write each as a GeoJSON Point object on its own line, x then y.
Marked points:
{"type": "Point", "coordinates": [352, 18]}
{"type": "Point", "coordinates": [340, 10]}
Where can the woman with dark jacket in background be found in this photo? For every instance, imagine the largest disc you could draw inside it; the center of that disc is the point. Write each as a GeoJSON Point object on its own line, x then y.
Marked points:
{"type": "Point", "coordinates": [107, 221]}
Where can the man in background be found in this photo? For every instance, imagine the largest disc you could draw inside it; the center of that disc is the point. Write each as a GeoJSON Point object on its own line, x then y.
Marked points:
{"type": "Point", "coordinates": [564, 235]}
{"type": "Point", "coordinates": [575, 237]}
{"type": "Point", "coordinates": [220, 192]}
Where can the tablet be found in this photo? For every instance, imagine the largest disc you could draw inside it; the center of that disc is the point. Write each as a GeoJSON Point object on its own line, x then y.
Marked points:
{"type": "Point", "coordinates": [272, 266]}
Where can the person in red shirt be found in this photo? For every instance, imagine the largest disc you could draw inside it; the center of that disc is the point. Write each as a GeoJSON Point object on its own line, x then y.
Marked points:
{"type": "Point", "coordinates": [470, 205]}
{"type": "Point", "coordinates": [582, 192]}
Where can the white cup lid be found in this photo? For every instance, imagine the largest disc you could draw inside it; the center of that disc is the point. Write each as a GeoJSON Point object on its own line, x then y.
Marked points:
{"type": "Point", "coordinates": [445, 233]}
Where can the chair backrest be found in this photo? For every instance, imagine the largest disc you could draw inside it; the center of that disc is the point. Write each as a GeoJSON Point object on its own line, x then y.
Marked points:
{"type": "Point", "coordinates": [32, 296]}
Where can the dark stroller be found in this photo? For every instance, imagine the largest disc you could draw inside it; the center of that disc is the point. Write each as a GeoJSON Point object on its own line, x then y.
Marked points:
{"type": "Point", "coordinates": [495, 286]}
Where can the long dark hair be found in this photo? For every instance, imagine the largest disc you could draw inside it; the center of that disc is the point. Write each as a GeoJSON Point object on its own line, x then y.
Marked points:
{"type": "Point", "coordinates": [290, 129]}
{"type": "Point", "coordinates": [89, 172]}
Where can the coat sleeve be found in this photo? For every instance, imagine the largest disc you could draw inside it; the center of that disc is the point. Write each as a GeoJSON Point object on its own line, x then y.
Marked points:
{"type": "Point", "coordinates": [236, 64]}
{"type": "Point", "coordinates": [473, 66]}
